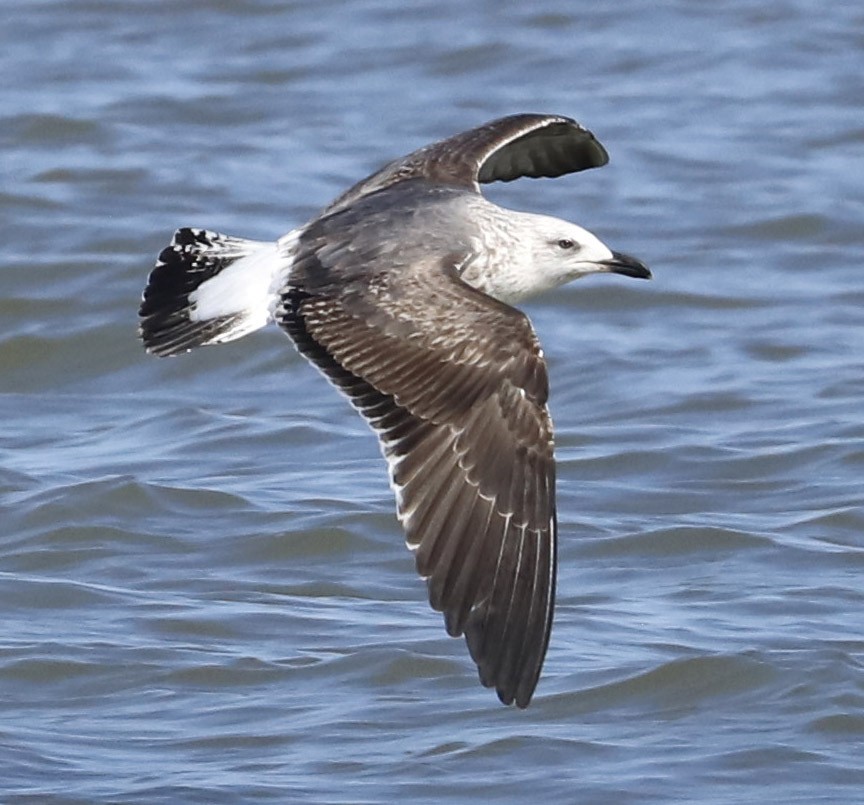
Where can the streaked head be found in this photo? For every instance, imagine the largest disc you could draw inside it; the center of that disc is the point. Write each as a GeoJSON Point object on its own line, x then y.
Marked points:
{"type": "Point", "coordinates": [563, 252]}
{"type": "Point", "coordinates": [529, 254]}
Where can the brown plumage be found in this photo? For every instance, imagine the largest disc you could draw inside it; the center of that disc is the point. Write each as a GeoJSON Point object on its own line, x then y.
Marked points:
{"type": "Point", "coordinates": [400, 292]}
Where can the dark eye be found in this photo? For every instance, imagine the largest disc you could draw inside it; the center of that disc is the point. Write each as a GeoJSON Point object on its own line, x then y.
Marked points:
{"type": "Point", "coordinates": [566, 243]}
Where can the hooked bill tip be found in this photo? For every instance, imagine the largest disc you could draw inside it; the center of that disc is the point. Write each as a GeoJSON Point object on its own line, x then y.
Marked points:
{"type": "Point", "coordinates": [628, 266]}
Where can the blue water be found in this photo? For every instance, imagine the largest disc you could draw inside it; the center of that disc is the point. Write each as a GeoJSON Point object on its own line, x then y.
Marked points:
{"type": "Point", "coordinates": [204, 593]}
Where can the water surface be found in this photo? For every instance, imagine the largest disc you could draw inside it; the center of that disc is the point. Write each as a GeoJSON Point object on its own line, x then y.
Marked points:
{"type": "Point", "coordinates": [205, 596]}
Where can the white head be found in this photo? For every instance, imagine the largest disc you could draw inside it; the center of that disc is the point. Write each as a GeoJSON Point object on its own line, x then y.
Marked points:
{"type": "Point", "coordinates": [545, 252]}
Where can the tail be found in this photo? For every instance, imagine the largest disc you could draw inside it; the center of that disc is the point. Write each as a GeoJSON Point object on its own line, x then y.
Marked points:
{"type": "Point", "coordinates": [209, 288]}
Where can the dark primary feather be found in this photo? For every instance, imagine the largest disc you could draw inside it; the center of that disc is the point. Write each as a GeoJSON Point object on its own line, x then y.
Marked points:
{"type": "Point", "coordinates": [455, 385]}
{"type": "Point", "coordinates": [505, 149]}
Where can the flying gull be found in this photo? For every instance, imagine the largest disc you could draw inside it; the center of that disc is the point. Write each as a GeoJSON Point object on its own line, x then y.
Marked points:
{"type": "Point", "coordinates": [400, 292]}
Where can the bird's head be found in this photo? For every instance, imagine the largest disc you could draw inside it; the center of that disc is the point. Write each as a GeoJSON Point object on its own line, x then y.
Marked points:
{"type": "Point", "coordinates": [563, 252]}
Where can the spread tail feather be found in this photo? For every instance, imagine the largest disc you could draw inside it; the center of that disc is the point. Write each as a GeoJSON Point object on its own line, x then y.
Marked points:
{"type": "Point", "coordinates": [209, 288]}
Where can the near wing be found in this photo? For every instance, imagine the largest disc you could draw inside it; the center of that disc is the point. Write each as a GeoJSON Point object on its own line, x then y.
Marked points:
{"type": "Point", "coordinates": [455, 385]}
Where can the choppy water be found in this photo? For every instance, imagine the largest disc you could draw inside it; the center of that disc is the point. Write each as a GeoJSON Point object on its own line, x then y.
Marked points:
{"type": "Point", "coordinates": [204, 595]}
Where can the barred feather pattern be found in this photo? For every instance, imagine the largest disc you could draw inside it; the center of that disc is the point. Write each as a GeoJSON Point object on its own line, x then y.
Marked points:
{"type": "Point", "coordinates": [468, 441]}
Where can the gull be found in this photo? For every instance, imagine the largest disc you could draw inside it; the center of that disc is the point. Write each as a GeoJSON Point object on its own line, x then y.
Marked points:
{"type": "Point", "coordinates": [401, 292]}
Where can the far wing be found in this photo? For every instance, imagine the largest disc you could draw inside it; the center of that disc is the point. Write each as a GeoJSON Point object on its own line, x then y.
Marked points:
{"type": "Point", "coordinates": [525, 145]}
